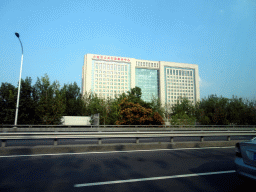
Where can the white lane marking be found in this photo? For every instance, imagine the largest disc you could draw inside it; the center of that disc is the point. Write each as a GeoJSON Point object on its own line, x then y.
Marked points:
{"type": "Point", "coordinates": [99, 152]}
{"type": "Point", "coordinates": [152, 178]}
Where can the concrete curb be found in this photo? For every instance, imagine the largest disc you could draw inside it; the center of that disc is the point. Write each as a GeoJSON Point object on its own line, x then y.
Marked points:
{"type": "Point", "coordinates": [111, 147]}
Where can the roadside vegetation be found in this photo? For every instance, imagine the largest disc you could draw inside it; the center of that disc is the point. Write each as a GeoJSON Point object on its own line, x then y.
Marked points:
{"type": "Point", "coordinates": [46, 103]}
{"type": "Point", "coordinates": [213, 111]}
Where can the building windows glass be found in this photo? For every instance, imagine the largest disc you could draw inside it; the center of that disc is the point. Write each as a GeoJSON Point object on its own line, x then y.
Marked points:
{"type": "Point", "coordinates": [147, 80]}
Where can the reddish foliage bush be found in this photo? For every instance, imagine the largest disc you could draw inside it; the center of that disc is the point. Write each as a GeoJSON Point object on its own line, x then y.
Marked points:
{"type": "Point", "coordinates": [135, 114]}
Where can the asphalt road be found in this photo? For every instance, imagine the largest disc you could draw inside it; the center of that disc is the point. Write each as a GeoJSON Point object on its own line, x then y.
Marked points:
{"type": "Point", "coordinates": [159, 170]}
{"type": "Point", "coordinates": [118, 140]}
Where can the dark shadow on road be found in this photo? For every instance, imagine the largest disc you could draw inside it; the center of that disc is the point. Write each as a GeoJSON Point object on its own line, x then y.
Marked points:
{"type": "Point", "coordinates": [119, 148]}
{"type": "Point", "coordinates": [21, 151]}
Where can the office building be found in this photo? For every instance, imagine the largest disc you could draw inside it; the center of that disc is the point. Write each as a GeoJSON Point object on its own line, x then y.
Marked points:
{"type": "Point", "coordinates": [110, 75]}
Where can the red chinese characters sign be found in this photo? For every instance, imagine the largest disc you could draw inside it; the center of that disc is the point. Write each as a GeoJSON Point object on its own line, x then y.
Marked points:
{"type": "Point", "coordinates": [109, 58]}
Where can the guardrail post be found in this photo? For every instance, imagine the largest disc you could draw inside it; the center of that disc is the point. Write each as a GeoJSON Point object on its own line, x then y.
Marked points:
{"type": "Point", "coordinates": [201, 138]}
{"type": "Point", "coordinates": [3, 143]}
{"type": "Point", "coordinates": [228, 138]}
{"type": "Point", "coordinates": [100, 141]}
{"type": "Point", "coordinates": [137, 140]}
{"type": "Point", "coordinates": [171, 139]}
{"type": "Point", "coordinates": [55, 142]}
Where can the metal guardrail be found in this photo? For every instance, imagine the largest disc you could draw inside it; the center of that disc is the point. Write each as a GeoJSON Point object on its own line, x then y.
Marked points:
{"type": "Point", "coordinates": [121, 128]}
{"type": "Point", "coordinates": [103, 135]}
{"type": "Point", "coordinates": [20, 126]}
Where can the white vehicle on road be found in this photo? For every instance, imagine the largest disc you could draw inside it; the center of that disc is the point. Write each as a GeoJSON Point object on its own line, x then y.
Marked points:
{"type": "Point", "coordinates": [246, 158]}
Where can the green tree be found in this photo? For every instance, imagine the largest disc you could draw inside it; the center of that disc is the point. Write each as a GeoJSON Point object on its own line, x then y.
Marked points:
{"type": "Point", "coordinates": [183, 105]}
{"type": "Point", "coordinates": [72, 100]}
{"type": "Point", "coordinates": [50, 106]}
{"type": "Point", "coordinates": [213, 111]}
{"type": "Point", "coordinates": [156, 106]}
{"type": "Point", "coordinates": [113, 109]}
{"type": "Point", "coordinates": [249, 114]}
{"type": "Point", "coordinates": [182, 119]}
{"type": "Point", "coordinates": [220, 112]}
{"type": "Point", "coordinates": [235, 110]}
{"type": "Point", "coordinates": [183, 112]}
{"type": "Point", "coordinates": [136, 92]}
{"type": "Point", "coordinates": [8, 98]}
{"type": "Point", "coordinates": [134, 96]}
{"type": "Point", "coordinates": [27, 104]}
{"type": "Point", "coordinates": [110, 109]}
{"type": "Point", "coordinates": [93, 105]}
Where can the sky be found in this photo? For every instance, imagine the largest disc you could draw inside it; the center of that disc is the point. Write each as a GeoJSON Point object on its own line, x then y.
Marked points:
{"type": "Point", "coordinates": [218, 36]}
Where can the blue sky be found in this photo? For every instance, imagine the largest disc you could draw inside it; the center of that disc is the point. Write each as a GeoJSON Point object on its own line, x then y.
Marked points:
{"type": "Point", "coordinates": [218, 36]}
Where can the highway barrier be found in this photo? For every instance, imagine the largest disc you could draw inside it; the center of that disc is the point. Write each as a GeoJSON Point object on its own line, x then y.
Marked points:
{"type": "Point", "coordinates": [56, 136]}
{"type": "Point", "coordinates": [47, 139]}
{"type": "Point", "coordinates": [123, 128]}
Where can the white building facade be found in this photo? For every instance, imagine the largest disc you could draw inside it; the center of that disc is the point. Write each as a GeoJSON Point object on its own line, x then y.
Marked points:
{"type": "Point", "coordinates": [110, 75]}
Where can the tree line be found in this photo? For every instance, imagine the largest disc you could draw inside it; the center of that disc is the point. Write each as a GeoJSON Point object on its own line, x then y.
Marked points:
{"type": "Point", "coordinates": [213, 111]}
{"type": "Point", "coordinates": [46, 103]}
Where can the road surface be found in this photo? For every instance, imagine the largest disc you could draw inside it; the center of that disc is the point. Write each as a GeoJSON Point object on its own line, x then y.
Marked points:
{"type": "Point", "coordinates": [208, 169]}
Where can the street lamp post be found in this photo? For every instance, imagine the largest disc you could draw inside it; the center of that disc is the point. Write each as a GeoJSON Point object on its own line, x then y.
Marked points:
{"type": "Point", "coordinates": [18, 98]}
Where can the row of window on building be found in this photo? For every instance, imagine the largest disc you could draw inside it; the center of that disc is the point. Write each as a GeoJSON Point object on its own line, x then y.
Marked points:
{"type": "Point", "coordinates": [110, 72]}
{"type": "Point", "coordinates": [110, 93]}
{"type": "Point", "coordinates": [111, 85]}
{"type": "Point", "coordinates": [178, 89]}
{"type": "Point", "coordinates": [178, 82]}
{"type": "Point", "coordinates": [181, 86]}
{"type": "Point", "coordinates": [147, 64]}
{"type": "Point", "coordinates": [175, 101]}
{"type": "Point", "coordinates": [115, 90]}
{"type": "Point", "coordinates": [108, 78]}
{"type": "Point", "coordinates": [177, 77]}
{"type": "Point", "coordinates": [112, 67]}
{"type": "Point", "coordinates": [181, 93]}
{"type": "Point", "coordinates": [178, 72]}
{"type": "Point", "coordinates": [184, 95]}
{"type": "Point", "coordinates": [111, 82]}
